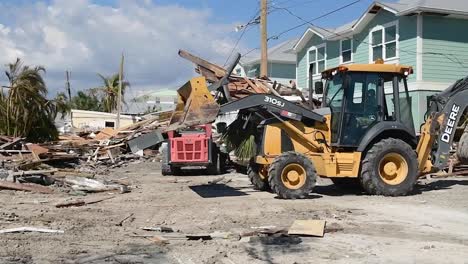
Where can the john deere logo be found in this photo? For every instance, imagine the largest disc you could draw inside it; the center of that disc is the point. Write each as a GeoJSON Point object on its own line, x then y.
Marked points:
{"type": "Point", "coordinates": [451, 122]}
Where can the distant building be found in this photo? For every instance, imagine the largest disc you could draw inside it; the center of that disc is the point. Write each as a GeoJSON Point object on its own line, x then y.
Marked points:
{"type": "Point", "coordinates": [160, 100]}
{"type": "Point", "coordinates": [92, 120]}
{"type": "Point", "coordinates": [281, 63]}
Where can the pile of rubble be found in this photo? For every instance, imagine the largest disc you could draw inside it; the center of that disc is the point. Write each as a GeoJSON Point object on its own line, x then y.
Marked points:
{"type": "Point", "coordinates": [240, 87]}
{"type": "Point", "coordinates": [74, 160]}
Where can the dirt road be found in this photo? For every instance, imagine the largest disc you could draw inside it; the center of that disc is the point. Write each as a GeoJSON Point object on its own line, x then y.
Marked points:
{"type": "Point", "coordinates": [429, 227]}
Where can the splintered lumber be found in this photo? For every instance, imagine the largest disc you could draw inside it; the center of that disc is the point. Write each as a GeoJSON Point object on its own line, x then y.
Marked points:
{"type": "Point", "coordinates": [217, 70]}
{"type": "Point", "coordinates": [30, 229]}
{"type": "Point", "coordinates": [33, 172]}
{"type": "Point", "coordinates": [10, 143]}
{"type": "Point", "coordinates": [80, 202]}
{"type": "Point", "coordinates": [30, 187]}
{"type": "Point", "coordinates": [307, 227]}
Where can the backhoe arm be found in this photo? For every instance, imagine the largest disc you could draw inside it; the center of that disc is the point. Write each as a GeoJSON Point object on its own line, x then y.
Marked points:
{"type": "Point", "coordinates": [445, 111]}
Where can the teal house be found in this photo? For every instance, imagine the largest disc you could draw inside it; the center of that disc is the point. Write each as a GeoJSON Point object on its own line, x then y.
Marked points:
{"type": "Point", "coordinates": [281, 63]}
{"type": "Point", "coordinates": [430, 35]}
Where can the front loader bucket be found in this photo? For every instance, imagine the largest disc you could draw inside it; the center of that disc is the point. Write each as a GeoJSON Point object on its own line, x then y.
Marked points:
{"type": "Point", "coordinates": [195, 105]}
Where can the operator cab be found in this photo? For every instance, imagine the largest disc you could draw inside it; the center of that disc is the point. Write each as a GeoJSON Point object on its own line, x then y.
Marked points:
{"type": "Point", "coordinates": [367, 99]}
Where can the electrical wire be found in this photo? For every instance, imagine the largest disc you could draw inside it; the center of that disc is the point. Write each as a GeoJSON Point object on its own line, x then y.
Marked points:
{"type": "Point", "coordinates": [307, 22]}
{"type": "Point", "coordinates": [244, 30]}
{"type": "Point", "coordinates": [314, 19]}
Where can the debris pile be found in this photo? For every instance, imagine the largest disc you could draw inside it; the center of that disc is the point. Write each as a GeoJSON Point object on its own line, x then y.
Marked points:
{"type": "Point", "coordinates": [240, 87]}
{"type": "Point", "coordinates": [74, 160]}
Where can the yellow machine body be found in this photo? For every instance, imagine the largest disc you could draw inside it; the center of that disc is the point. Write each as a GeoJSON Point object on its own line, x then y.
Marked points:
{"type": "Point", "coordinates": [295, 136]}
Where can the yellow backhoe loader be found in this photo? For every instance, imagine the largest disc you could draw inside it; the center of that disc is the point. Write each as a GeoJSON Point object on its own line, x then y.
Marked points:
{"type": "Point", "coordinates": [363, 133]}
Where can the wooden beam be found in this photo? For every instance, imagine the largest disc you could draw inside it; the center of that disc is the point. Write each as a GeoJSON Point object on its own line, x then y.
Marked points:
{"type": "Point", "coordinates": [219, 71]}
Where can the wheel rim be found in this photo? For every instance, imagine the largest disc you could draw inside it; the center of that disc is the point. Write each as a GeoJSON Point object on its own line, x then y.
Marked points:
{"type": "Point", "coordinates": [293, 176]}
{"type": "Point", "coordinates": [263, 173]}
{"type": "Point", "coordinates": [393, 168]}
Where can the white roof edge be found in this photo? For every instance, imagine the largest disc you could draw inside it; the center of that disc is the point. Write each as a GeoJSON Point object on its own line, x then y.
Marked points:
{"type": "Point", "coordinates": [417, 9]}
{"type": "Point", "coordinates": [101, 113]}
{"type": "Point", "coordinates": [299, 42]}
{"type": "Point", "coordinates": [367, 14]}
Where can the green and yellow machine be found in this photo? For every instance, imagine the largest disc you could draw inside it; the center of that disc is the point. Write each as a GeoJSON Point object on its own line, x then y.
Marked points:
{"type": "Point", "coordinates": [362, 134]}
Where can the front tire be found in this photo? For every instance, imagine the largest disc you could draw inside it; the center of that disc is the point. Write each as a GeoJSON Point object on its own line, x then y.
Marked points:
{"type": "Point", "coordinates": [292, 175]}
{"type": "Point", "coordinates": [389, 168]}
{"type": "Point", "coordinates": [258, 176]}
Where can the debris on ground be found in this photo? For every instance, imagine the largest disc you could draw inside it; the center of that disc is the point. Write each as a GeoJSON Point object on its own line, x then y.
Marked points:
{"type": "Point", "coordinates": [75, 160]}
{"type": "Point", "coordinates": [30, 229]}
{"type": "Point", "coordinates": [307, 228]}
{"type": "Point", "coordinates": [81, 202]}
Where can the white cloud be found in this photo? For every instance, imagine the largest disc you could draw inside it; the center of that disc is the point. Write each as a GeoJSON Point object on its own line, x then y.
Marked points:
{"type": "Point", "coordinates": [87, 38]}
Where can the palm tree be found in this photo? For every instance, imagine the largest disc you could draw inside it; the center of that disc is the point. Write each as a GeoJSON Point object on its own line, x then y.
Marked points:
{"type": "Point", "coordinates": [110, 91]}
{"type": "Point", "coordinates": [62, 104]}
{"type": "Point", "coordinates": [87, 100]}
{"type": "Point", "coordinates": [28, 113]}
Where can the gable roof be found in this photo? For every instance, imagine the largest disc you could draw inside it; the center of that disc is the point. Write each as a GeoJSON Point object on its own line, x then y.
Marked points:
{"type": "Point", "coordinates": [281, 52]}
{"type": "Point", "coordinates": [451, 8]}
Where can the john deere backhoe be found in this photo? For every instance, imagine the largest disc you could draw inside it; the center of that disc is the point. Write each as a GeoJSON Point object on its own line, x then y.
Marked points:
{"type": "Point", "coordinates": [363, 133]}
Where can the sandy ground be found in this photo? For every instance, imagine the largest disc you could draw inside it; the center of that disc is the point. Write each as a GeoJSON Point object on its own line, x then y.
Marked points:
{"type": "Point", "coordinates": [428, 227]}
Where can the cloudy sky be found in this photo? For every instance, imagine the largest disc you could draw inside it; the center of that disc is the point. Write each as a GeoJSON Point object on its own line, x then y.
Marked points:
{"type": "Point", "coordinates": [87, 37]}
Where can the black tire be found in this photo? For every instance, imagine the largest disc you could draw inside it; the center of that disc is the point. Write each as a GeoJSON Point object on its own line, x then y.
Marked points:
{"type": "Point", "coordinates": [276, 170]}
{"type": "Point", "coordinates": [165, 167]}
{"type": "Point", "coordinates": [371, 166]}
{"type": "Point", "coordinates": [462, 149]}
{"type": "Point", "coordinates": [216, 167]}
{"type": "Point", "coordinates": [347, 183]}
{"type": "Point", "coordinates": [257, 181]}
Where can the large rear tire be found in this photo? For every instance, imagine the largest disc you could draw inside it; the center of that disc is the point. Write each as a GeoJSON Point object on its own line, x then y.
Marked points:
{"type": "Point", "coordinates": [389, 168]}
{"type": "Point", "coordinates": [258, 176]}
{"type": "Point", "coordinates": [292, 175]}
{"type": "Point", "coordinates": [462, 149]}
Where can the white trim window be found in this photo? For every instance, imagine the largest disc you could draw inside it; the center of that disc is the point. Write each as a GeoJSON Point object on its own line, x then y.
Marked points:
{"type": "Point", "coordinates": [317, 57]}
{"type": "Point", "coordinates": [346, 50]}
{"type": "Point", "coordinates": [384, 42]}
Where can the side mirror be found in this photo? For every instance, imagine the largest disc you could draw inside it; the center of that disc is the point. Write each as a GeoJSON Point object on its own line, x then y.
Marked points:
{"type": "Point", "coordinates": [318, 87]}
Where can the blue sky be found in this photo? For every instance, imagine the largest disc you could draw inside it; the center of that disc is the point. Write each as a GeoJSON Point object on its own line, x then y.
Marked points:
{"type": "Point", "coordinates": [87, 36]}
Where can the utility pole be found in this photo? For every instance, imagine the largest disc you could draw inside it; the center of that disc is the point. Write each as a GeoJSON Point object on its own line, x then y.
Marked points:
{"type": "Point", "coordinates": [263, 39]}
{"type": "Point", "coordinates": [67, 74]}
{"type": "Point", "coordinates": [119, 96]}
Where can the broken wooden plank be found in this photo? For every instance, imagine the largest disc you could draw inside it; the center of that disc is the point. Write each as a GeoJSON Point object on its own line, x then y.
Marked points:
{"type": "Point", "coordinates": [307, 227]}
{"type": "Point", "coordinates": [30, 229]}
{"type": "Point", "coordinates": [80, 202]}
{"type": "Point", "coordinates": [30, 187]}
{"type": "Point", "coordinates": [10, 143]}
{"type": "Point", "coordinates": [33, 172]}
{"type": "Point", "coordinates": [158, 229]}
{"type": "Point", "coordinates": [219, 71]}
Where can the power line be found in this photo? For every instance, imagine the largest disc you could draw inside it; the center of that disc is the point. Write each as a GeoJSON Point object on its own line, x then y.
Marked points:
{"type": "Point", "coordinates": [317, 18]}
{"type": "Point", "coordinates": [251, 21]}
{"type": "Point", "coordinates": [308, 22]}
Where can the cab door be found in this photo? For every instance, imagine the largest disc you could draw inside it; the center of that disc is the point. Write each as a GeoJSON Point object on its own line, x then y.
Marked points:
{"type": "Point", "coordinates": [363, 98]}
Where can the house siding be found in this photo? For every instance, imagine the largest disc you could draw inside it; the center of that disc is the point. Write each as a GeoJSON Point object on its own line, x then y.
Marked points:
{"type": "Point", "coordinates": [282, 70]}
{"type": "Point", "coordinates": [445, 49]}
{"type": "Point", "coordinates": [301, 58]}
{"type": "Point", "coordinates": [408, 32]}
